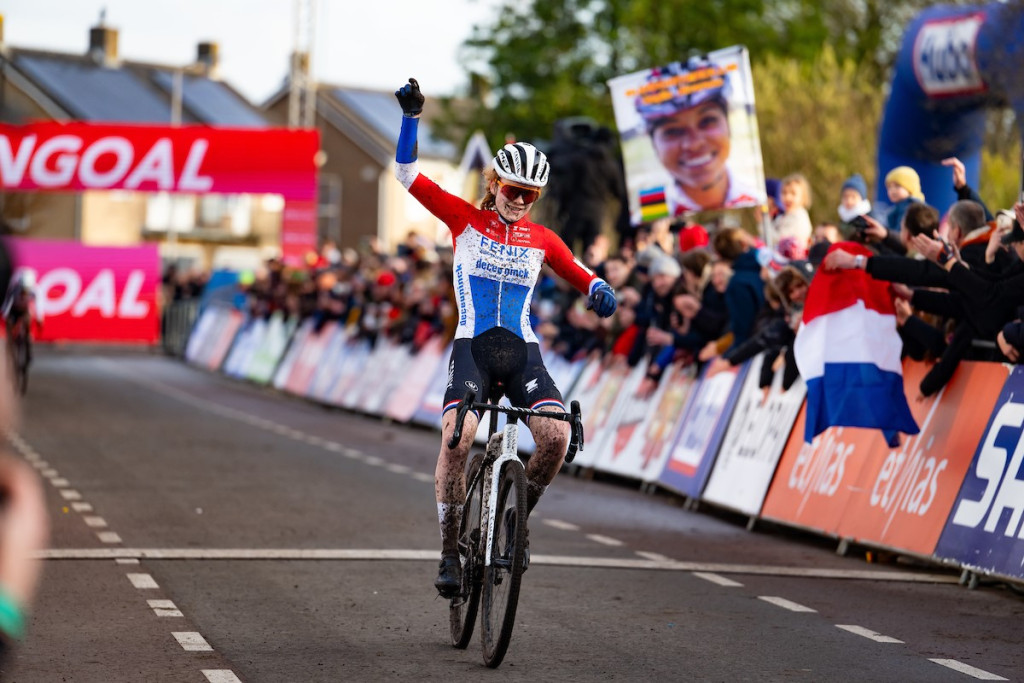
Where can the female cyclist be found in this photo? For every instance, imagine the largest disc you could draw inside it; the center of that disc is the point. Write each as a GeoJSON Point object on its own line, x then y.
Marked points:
{"type": "Point", "coordinates": [498, 257]}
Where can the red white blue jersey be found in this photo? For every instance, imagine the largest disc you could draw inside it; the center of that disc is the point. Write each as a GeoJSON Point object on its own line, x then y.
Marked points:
{"type": "Point", "coordinates": [496, 263]}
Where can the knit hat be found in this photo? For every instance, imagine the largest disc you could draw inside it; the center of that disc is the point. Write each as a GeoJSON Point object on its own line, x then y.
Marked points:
{"type": "Point", "coordinates": [907, 178]}
{"type": "Point", "coordinates": [774, 188]}
{"type": "Point", "coordinates": [857, 183]}
{"type": "Point", "coordinates": [665, 265]}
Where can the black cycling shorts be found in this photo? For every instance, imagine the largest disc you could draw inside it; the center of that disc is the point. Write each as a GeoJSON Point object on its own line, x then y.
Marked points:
{"type": "Point", "coordinates": [499, 356]}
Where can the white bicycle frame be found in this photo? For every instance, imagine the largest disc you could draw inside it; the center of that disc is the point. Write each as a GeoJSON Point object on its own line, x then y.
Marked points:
{"type": "Point", "coordinates": [509, 452]}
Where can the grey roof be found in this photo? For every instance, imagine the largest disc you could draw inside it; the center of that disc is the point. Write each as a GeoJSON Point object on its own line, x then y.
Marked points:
{"type": "Point", "coordinates": [93, 93]}
{"type": "Point", "coordinates": [211, 101]}
{"type": "Point", "coordinates": [381, 112]}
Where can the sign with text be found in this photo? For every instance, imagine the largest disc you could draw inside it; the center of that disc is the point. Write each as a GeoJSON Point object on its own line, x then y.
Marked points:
{"type": "Point", "coordinates": [848, 482]}
{"type": "Point", "coordinates": [984, 528]}
{"type": "Point", "coordinates": [700, 431]}
{"type": "Point", "coordinates": [758, 432]}
{"type": "Point", "coordinates": [92, 293]}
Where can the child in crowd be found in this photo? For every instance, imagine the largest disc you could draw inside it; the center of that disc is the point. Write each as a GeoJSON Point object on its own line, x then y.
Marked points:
{"type": "Point", "coordinates": [903, 186]}
{"type": "Point", "coordinates": [853, 202]}
{"type": "Point", "coordinates": [794, 222]}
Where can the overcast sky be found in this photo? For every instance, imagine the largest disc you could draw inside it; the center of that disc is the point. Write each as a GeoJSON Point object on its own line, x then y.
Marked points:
{"type": "Point", "coordinates": [374, 43]}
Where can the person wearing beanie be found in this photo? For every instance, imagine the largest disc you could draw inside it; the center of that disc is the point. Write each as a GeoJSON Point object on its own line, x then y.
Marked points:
{"type": "Point", "coordinates": [903, 186]}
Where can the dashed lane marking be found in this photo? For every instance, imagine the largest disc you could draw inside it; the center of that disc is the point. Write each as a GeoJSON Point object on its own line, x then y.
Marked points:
{"type": "Point", "coordinates": [108, 537]}
{"type": "Point", "coordinates": [49, 474]}
{"type": "Point", "coordinates": [373, 460]}
{"type": "Point", "coordinates": [605, 540]}
{"type": "Point", "coordinates": [70, 494]}
{"type": "Point", "coordinates": [654, 557]}
{"type": "Point", "coordinates": [142, 581]}
{"type": "Point", "coordinates": [398, 469]}
{"type": "Point", "coordinates": [785, 604]}
{"type": "Point", "coordinates": [60, 482]}
{"type": "Point", "coordinates": [719, 580]}
{"type": "Point", "coordinates": [967, 669]}
{"type": "Point", "coordinates": [424, 477]}
{"type": "Point", "coordinates": [191, 641]}
{"type": "Point", "coordinates": [559, 524]}
{"type": "Point", "coordinates": [431, 555]}
{"type": "Point", "coordinates": [95, 522]}
{"type": "Point", "coordinates": [81, 507]}
{"type": "Point", "coordinates": [868, 633]}
{"type": "Point", "coordinates": [221, 676]}
{"type": "Point", "coordinates": [164, 608]}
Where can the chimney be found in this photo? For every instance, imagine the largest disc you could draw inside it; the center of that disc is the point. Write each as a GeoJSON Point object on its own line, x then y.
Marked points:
{"type": "Point", "coordinates": [103, 42]}
{"type": "Point", "coordinates": [208, 57]}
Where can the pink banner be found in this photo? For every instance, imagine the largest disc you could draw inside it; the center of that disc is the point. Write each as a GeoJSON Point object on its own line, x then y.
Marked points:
{"type": "Point", "coordinates": [93, 293]}
{"type": "Point", "coordinates": [192, 159]}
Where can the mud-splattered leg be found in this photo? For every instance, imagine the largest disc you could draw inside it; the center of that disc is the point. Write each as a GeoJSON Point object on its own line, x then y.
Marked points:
{"type": "Point", "coordinates": [450, 479]}
{"type": "Point", "coordinates": [552, 438]}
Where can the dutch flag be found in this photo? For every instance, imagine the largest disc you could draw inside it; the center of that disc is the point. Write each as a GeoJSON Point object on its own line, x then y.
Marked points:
{"type": "Point", "coordinates": [848, 352]}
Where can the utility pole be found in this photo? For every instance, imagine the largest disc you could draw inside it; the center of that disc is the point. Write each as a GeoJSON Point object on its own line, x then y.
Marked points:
{"type": "Point", "coordinates": [302, 86]}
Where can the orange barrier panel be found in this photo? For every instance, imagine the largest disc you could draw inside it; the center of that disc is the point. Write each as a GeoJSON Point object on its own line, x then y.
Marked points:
{"type": "Point", "coordinates": [849, 483]}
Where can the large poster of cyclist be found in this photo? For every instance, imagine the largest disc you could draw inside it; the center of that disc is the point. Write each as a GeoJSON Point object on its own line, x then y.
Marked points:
{"type": "Point", "coordinates": [689, 136]}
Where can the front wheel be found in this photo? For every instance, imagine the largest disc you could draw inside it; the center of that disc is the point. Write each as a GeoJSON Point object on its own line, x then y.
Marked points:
{"type": "Point", "coordinates": [463, 608]}
{"type": "Point", "coordinates": [504, 575]}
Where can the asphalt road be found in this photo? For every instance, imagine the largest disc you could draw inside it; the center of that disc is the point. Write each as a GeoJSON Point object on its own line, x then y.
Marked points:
{"type": "Point", "coordinates": [209, 530]}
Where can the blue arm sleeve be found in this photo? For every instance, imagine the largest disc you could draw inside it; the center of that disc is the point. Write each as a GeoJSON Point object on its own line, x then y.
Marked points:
{"type": "Point", "coordinates": [407, 146]}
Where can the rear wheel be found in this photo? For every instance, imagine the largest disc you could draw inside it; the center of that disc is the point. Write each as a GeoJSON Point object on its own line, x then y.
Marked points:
{"type": "Point", "coordinates": [463, 609]}
{"type": "Point", "coordinates": [504, 575]}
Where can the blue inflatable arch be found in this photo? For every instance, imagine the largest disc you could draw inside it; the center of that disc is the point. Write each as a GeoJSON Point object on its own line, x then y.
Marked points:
{"type": "Point", "coordinates": [955, 62]}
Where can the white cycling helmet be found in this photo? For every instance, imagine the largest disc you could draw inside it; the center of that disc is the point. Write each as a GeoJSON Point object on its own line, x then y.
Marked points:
{"type": "Point", "coordinates": [523, 164]}
{"type": "Point", "coordinates": [27, 279]}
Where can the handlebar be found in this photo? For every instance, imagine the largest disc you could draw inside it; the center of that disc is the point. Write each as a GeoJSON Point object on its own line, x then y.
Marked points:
{"type": "Point", "coordinates": [573, 417]}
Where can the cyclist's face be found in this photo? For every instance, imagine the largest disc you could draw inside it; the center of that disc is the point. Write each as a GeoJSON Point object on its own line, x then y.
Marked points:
{"type": "Point", "coordinates": [509, 209]}
{"type": "Point", "coordinates": [693, 145]}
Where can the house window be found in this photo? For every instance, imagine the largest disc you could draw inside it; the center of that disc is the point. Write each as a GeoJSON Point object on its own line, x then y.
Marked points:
{"type": "Point", "coordinates": [166, 211]}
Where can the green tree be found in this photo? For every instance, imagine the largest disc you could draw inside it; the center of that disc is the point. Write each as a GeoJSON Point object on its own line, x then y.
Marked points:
{"type": "Point", "coordinates": [819, 118]}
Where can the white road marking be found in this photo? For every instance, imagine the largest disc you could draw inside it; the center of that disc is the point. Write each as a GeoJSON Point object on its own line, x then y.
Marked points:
{"type": "Point", "coordinates": [654, 557]}
{"type": "Point", "coordinates": [553, 560]}
{"type": "Point", "coordinates": [126, 560]}
{"type": "Point", "coordinates": [333, 446]}
{"type": "Point", "coordinates": [559, 524]}
{"type": "Point", "coordinates": [398, 469]}
{"type": "Point", "coordinates": [95, 522]}
{"type": "Point", "coordinates": [719, 580]}
{"type": "Point", "coordinates": [424, 477]}
{"type": "Point", "coordinates": [164, 608]}
{"type": "Point", "coordinates": [41, 464]}
{"type": "Point", "coordinates": [971, 671]}
{"type": "Point", "coordinates": [60, 482]}
{"type": "Point", "coordinates": [351, 453]}
{"type": "Point", "coordinates": [70, 494]}
{"type": "Point", "coordinates": [142, 581]}
{"type": "Point", "coordinates": [868, 633]}
{"type": "Point", "coordinates": [108, 537]}
{"type": "Point", "coordinates": [785, 604]}
{"type": "Point", "coordinates": [314, 440]}
{"type": "Point", "coordinates": [50, 473]}
{"type": "Point", "coordinates": [605, 540]}
{"type": "Point", "coordinates": [81, 507]}
{"type": "Point", "coordinates": [373, 460]}
{"type": "Point", "coordinates": [191, 641]}
{"type": "Point", "coordinates": [221, 676]}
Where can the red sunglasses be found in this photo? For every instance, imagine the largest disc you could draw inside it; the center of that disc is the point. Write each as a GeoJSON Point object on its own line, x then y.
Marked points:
{"type": "Point", "coordinates": [512, 192]}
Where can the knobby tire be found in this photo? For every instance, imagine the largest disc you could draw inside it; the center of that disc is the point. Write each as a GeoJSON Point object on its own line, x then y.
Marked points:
{"type": "Point", "coordinates": [503, 577]}
{"type": "Point", "coordinates": [463, 608]}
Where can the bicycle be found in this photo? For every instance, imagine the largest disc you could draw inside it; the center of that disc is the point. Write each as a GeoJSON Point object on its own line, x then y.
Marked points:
{"type": "Point", "coordinates": [493, 555]}
{"type": "Point", "coordinates": [18, 352]}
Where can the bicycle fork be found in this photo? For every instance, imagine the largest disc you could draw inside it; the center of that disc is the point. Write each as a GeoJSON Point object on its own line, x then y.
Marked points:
{"type": "Point", "coordinates": [509, 452]}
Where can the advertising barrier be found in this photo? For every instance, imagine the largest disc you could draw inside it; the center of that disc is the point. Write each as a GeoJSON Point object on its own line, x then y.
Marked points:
{"type": "Point", "coordinates": [753, 443]}
{"type": "Point", "coordinates": [851, 484]}
{"type": "Point", "coordinates": [212, 337]}
{"type": "Point", "coordinates": [954, 492]}
{"type": "Point", "coordinates": [984, 528]}
{"type": "Point", "coordinates": [267, 355]}
{"type": "Point", "coordinates": [104, 294]}
{"type": "Point", "coordinates": [699, 432]}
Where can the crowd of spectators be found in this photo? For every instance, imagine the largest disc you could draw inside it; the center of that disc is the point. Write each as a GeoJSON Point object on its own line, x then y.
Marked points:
{"type": "Point", "coordinates": [714, 296]}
